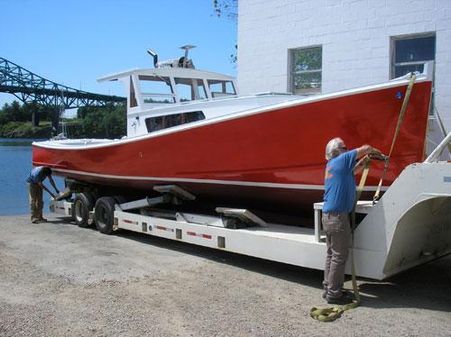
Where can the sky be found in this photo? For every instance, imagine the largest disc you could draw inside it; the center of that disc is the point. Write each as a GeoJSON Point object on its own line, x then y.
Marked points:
{"type": "Point", "coordinates": [74, 42]}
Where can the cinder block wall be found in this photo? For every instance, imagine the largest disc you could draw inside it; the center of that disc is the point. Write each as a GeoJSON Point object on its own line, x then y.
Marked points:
{"type": "Point", "coordinates": [355, 37]}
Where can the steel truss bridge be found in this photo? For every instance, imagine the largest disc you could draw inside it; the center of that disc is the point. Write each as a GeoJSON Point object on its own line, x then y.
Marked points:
{"type": "Point", "coordinates": [29, 87]}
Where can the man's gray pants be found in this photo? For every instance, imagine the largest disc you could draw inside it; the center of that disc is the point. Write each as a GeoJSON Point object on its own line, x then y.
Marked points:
{"type": "Point", "coordinates": [338, 236]}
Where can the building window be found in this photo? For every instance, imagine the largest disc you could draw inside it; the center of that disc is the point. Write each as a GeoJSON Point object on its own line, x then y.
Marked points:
{"type": "Point", "coordinates": [305, 70]}
{"type": "Point", "coordinates": [409, 53]}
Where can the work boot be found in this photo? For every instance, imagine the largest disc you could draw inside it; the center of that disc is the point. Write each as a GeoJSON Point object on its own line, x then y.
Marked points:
{"type": "Point", "coordinates": [34, 220]}
{"type": "Point", "coordinates": [344, 293]}
{"type": "Point", "coordinates": [343, 300]}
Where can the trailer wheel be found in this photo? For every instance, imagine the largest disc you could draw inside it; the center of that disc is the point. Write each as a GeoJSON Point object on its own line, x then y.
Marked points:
{"type": "Point", "coordinates": [83, 203]}
{"type": "Point", "coordinates": [104, 214]}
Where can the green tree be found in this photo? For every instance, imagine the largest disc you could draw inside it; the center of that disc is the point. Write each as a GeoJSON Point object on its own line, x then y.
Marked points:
{"type": "Point", "coordinates": [15, 112]}
{"type": "Point", "coordinates": [101, 122]}
{"type": "Point", "coordinates": [92, 122]}
{"type": "Point", "coordinates": [4, 118]}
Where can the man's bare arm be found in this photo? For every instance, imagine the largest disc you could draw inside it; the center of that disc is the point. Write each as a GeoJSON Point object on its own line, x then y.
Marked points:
{"type": "Point", "coordinates": [52, 182]}
{"type": "Point", "coordinates": [367, 149]}
{"type": "Point", "coordinates": [45, 188]}
{"type": "Point", "coordinates": [364, 150]}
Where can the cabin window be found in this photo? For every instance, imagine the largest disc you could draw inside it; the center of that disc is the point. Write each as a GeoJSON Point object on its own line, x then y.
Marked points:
{"type": "Point", "coordinates": [410, 53]}
{"type": "Point", "coordinates": [156, 89]}
{"type": "Point", "coordinates": [220, 88]}
{"type": "Point", "coordinates": [305, 70]}
{"type": "Point", "coordinates": [168, 121]}
{"type": "Point", "coordinates": [189, 89]}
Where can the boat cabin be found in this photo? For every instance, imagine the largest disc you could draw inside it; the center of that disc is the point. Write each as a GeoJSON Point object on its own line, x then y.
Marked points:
{"type": "Point", "coordinates": [174, 93]}
{"type": "Point", "coordinates": [167, 97]}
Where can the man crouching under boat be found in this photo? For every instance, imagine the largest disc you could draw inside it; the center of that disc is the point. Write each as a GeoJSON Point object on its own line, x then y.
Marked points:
{"type": "Point", "coordinates": [339, 198]}
{"type": "Point", "coordinates": [35, 187]}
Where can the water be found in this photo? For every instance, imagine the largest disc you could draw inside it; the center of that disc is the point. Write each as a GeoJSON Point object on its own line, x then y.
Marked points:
{"type": "Point", "coordinates": [15, 166]}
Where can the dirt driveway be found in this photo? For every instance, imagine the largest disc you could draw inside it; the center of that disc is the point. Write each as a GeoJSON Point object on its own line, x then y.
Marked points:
{"type": "Point", "coordinates": [60, 280]}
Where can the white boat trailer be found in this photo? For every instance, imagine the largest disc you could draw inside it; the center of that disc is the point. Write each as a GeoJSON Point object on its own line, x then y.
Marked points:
{"type": "Point", "coordinates": [408, 226]}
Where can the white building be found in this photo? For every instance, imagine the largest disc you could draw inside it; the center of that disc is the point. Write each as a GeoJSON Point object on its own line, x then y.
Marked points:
{"type": "Point", "coordinates": [313, 46]}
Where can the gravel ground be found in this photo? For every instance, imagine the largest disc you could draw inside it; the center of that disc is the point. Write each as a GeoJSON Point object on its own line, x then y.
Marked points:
{"type": "Point", "coordinates": [60, 280]}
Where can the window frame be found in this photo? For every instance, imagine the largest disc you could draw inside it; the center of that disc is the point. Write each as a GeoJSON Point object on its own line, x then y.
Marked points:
{"type": "Point", "coordinates": [156, 97]}
{"type": "Point", "coordinates": [292, 73]}
{"type": "Point", "coordinates": [224, 91]}
{"type": "Point", "coordinates": [394, 39]}
{"type": "Point", "coordinates": [196, 87]}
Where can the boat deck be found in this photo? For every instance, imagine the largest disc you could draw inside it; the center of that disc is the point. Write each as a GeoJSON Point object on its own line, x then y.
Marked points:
{"type": "Point", "coordinates": [76, 143]}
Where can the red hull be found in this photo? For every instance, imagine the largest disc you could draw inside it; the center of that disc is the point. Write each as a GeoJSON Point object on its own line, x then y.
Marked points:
{"type": "Point", "coordinates": [276, 155]}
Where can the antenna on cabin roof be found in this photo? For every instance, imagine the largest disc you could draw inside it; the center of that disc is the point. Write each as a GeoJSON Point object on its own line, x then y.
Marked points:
{"type": "Point", "coordinates": [182, 62]}
{"type": "Point", "coordinates": [155, 57]}
{"type": "Point", "coordinates": [187, 63]}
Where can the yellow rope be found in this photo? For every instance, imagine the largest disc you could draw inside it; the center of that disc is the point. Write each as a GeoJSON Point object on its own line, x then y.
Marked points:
{"type": "Point", "coordinates": [395, 136]}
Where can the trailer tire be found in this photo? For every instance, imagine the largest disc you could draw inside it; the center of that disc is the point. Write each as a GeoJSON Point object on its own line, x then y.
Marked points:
{"type": "Point", "coordinates": [104, 214]}
{"type": "Point", "coordinates": [83, 204]}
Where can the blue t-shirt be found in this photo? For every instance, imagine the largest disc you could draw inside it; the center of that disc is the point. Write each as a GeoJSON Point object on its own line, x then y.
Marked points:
{"type": "Point", "coordinates": [36, 175]}
{"type": "Point", "coordinates": [339, 183]}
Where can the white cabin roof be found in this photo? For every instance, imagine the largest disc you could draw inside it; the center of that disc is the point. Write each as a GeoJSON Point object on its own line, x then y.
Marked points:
{"type": "Point", "coordinates": [169, 72]}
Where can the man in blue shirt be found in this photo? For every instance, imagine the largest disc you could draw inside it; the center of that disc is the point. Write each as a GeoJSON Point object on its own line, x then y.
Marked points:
{"type": "Point", "coordinates": [35, 187]}
{"type": "Point", "coordinates": [339, 199]}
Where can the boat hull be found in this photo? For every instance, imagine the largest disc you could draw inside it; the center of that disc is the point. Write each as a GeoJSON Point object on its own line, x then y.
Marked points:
{"type": "Point", "coordinates": [272, 157]}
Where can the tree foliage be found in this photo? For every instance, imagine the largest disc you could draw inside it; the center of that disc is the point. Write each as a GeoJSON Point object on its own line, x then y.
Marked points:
{"type": "Point", "coordinates": [103, 122]}
{"type": "Point", "coordinates": [226, 8]}
{"type": "Point", "coordinates": [15, 112]}
{"type": "Point", "coordinates": [92, 122]}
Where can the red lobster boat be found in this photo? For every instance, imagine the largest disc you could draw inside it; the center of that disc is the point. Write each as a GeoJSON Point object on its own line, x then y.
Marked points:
{"type": "Point", "coordinates": [191, 128]}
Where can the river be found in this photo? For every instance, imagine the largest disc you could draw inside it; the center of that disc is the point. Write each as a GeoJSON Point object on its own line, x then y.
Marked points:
{"type": "Point", "coordinates": [15, 166]}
